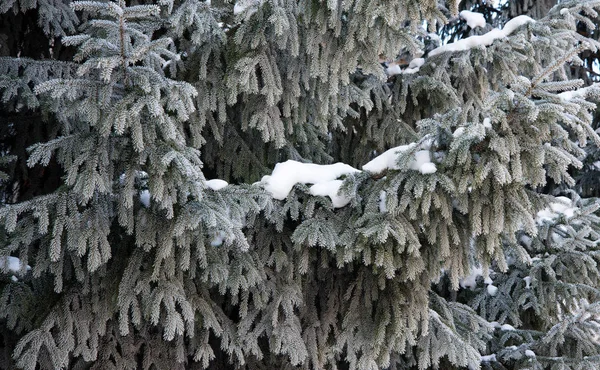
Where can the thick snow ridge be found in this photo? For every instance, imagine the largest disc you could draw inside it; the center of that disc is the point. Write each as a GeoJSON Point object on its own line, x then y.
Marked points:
{"type": "Point", "coordinates": [325, 178]}
{"type": "Point", "coordinates": [483, 40]}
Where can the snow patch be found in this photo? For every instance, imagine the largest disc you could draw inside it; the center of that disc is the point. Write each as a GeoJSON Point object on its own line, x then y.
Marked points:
{"type": "Point", "coordinates": [145, 198]}
{"type": "Point", "coordinates": [459, 131]}
{"type": "Point", "coordinates": [249, 6]}
{"type": "Point", "coordinates": [387, 160]}
{"type": "Point", "coordinates": [487, 123]}
{"type": "Point", "coordinates": [434, 37]}
{"type": "Point", "coordinates": [470, 281]}
{"type": "Point", "coordinates": [414, 66]}
{"type": "Point", "coordinates": [428, 168]}
{"type": "Point", "coordinates": [492, 290]}
{"type": "Point", "coordinates": [330, 189]}
{"type": "Point", "coordinates": [494, 324]}
{"type": "Point", "coordinates": [564, 207]}
{"type": "Point", "coordinates": [488, 358]}
{"type": "Point", "coordinates": [218, 239]}
{"type": "Point", "coordinates": [583, 92]}
{"type": "Point", "coordinates": [507, 327]}
{"type": "Point", "coordinates": [473, 19]}
{"type": "Point", "coordinates": [483, 40]}
{"type": "Point", "coordinates": [529, 353]}
{"type": "Point", "coordinates": [416, 63]}
{"type": "Point", "coordinates": [382, 200]}
{"type": "Point", "coordinates": [289, 173]}
{"type": "Point", "coordinates": [11, 264]}
{"type": "Point", "coordinates": [393, 69]}
{"type": "Point", "coordinates": [527, 282]}
{"type": "Point", "coordinates": [216, 184]}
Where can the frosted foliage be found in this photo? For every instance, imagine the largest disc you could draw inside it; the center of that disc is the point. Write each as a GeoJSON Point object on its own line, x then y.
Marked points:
{"type": "Point", "coordinates": [296, 185]}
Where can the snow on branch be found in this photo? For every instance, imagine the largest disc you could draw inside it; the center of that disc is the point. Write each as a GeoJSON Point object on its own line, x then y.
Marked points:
{"type": "Point", "coordinates": [289, 173]}
{"type": "Point", "coordinates": [483, 40]}
{"type": "Point", "coordinates": [584, 92]}
{"type": "Point", "coordinates": [473, 19]}
{"type": "Point", "coordinates": [325, 178]}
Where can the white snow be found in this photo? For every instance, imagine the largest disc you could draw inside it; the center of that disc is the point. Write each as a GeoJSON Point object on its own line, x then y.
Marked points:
{"type": "Point", "coordinates": [434, 37]}
{"type": "Point", "coordinates": [238, 8]}
{"type": "Point", "coordinates": [581, 92]}
{"type": "Point", "coordinates": [423, 162]}
{"type": "Point", "coordinates": [428, 168]}
{"type": "Point", "coordinates": [325, 178]}
{"type": "Point", "coordinates": [527, 280]}
{"type": "Point", "coordinates": [145, 198]}
{"type": "Point", "coordinates": [492, 289]}
{"type": "Point", "coordinates": [507, 327]}
{"type": "Point", "coordinates": [289, 173]}
{"type": "Point", "coordinates": [414, 66]}
{"type": "Point", "coordinates": [410, 71]}
{"type": "Point", "coordinates": [529, 353]}
{"type": "Point", "coordinates": [416, 63]}
{"type": "Point", "coordinates": [387, 160]}
{"type": "Point", "coordinates": [512, 25]}
{"type": "Point", "coordinates": [564, 11]}
{"type": "Point", "coordinates": [494, 324]}
{"type": "Point", "coordinates": [473, 19]}
{"type": "Point", "coordinates": [459, 131]}
{"type": "Point", "coordinates": [246, 5]}
{"type": "Point", "coordinates": [487, 123]}
{"type": "Point", "coordinates": [218, 239]}
{"type": "Point", "coordinates": [470, 281]}
{"type": "Point", "coordinates": [564, 206]}
{"type": "Point", "coordinates": [483, 40]}
{"type": "Point", "coordinates": [330, 189]}
{"type": "Point", "coordinates": [216, 184]}
{"type": "Point", "coordinates": [11, 264]}
{"type": "Point", "coordinates": [382, 200]}
{"type": "Point", "coordinates": [393, 69]}
{"type": "Point", "coordinates": [488, 358]}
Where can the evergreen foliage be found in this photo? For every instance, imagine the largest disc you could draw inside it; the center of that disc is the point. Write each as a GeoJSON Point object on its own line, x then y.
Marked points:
{"type": "Point", "coordinates": [465, 236]}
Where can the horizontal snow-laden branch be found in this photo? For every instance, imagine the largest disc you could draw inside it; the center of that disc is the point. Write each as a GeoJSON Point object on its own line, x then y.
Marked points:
{"type": "Point", "coordinates": [473, 20]}
{"type": "Point", "coordinates": [325, 178]}
{"type": "Point", "coordinates": [484, 40]}
{"type": "Point", "coordinates": [584, 92]}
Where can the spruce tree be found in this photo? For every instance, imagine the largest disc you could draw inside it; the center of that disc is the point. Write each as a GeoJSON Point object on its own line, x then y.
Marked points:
{"type": "Point", "coordinates": [296, 184]}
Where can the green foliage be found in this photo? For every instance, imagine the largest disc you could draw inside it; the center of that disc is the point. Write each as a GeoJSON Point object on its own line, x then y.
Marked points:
{"type": "Point", "coordinates": [137, 261]}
